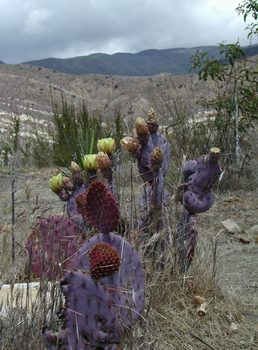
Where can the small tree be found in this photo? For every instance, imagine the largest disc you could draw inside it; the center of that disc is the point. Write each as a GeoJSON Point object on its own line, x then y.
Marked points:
{"type": "Point", "coordinates": [236, 101]}
{"type": "Point", "coordinates": [249, 8]}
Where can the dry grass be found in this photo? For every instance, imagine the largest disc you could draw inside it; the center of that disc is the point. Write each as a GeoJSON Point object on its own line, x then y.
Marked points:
{"type": "Point", "coordinates": [170, 320]}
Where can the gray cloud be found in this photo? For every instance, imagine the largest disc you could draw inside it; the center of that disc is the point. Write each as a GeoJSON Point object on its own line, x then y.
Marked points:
{"type": "Point", "coordinates": [36, 29]}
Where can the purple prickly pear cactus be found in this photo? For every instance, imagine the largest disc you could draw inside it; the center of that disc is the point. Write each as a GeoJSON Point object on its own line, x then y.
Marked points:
{"type": "Point", "coordinates": [126, 287]}
{"type": "Point", "coordinates": [104, 292]}
{"type": "Point", "coordinates": [152, 152]}
{"type": "Point", "coordinates": [50, 246]}
{"type": "Point", "coordinates": [90, 319]}
{"type": "Point", "coordinates": [199, 177]}
{"type": "Point", "coordinates": [72, 211]}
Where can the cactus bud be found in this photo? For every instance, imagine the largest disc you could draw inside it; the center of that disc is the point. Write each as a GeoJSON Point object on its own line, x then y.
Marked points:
{"type": "Point", "coordinates": [68, 184]}
{"type": "Point", "coordinates": [130, 144]}
{"type": "Point", "coordinates": [215, 150]}
{"type": "Point", "coordinates": [104, 260]}
{"type": "Point", "coordinates": [56, 183]}
{"type": "Point", "coordinates": [106, 145]}
{"type": "Point", "coordinates": [74, 167]}
{"type": "Point", "coordinates": [141, 126]}
{"type": "Point", "coordinates": [152, 121]}
{"type": "Point", "coordinates": [214, 154]}
{"type": "Point", "coordinates": [90, 162]}
{"type": "Point", "coordinates": [103, 160]}
{"type": "Point", "coordinates": [156, 158]}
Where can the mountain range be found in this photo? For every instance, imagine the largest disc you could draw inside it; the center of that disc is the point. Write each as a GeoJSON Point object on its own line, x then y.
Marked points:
{"type": "Point", "coordinates": [145, 63]}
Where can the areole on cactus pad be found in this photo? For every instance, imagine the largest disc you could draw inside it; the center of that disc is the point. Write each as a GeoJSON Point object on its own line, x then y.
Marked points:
{"type": "Point", "coordinates": [104, 260]}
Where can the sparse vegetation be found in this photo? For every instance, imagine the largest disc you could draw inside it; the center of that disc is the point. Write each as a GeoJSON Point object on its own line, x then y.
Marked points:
{"type": "Point", "coordinates": [183, 309]}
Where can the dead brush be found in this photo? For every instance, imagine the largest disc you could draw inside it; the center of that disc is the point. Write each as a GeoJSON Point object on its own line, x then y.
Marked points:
{"type": "Point", "coordinates": [24, 310]}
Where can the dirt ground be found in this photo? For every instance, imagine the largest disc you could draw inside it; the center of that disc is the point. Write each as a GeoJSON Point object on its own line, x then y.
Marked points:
{"type": "Point", "coordinates": [237, 253]}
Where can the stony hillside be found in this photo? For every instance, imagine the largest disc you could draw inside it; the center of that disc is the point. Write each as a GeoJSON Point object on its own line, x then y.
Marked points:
{"type": "Point", "coordinates": [28, 89]}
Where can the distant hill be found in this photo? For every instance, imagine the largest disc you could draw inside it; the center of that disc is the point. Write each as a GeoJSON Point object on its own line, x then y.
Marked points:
{"type": "Point", "coordinates": [1, 62]}
{"type": "Point", "coordinates": [144, 63]}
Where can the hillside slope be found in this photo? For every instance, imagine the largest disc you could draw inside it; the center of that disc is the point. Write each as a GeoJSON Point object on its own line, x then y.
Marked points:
{"type": "Point", "coordinates": [145, 63]}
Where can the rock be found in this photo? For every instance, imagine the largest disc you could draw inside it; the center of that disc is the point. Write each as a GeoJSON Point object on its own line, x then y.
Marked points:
{"type": "Point", "coordinates": [253, 230]}
{"type": "Point", "coordinates": [231, 226]}
{"type": "Point", "coordinates": [233, 327]}
{"type": "Point", "coordinates": [198, 300]}
{"type": "Point", "coordinates": [202, 309]}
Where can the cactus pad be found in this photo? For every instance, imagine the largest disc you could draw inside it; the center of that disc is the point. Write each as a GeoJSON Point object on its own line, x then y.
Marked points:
{"type": "Point", "coordinates": [126, 286]}
{"type": "Point", "coordinates": [51, 244]}
{"type": "Point", "coordinates": [99, 207]}
{"type": "Point", "coordinates": [90, 320]}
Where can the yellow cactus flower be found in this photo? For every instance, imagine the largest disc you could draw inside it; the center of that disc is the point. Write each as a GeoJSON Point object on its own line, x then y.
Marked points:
{"type": "Point", "coordinates": [215, 150]}
{"type": "Point", "coordinates": [90, 162]}
{"type": "Point", "coordinates": [56, 183]}
{"type": "Point", "coordinates": [107, 145]}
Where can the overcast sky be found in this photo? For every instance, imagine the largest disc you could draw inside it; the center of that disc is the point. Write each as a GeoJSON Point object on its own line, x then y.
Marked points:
{"type": "Point", "coordinates": [37, 29]}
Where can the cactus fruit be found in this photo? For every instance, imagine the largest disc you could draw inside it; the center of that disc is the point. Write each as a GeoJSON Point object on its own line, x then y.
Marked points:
{"type": "Point", "coordinates": [90, 320]}
{"type": "Point", "coordinates": [50, 246]}
{"type": "Point", "coordinates": [130, 144]}
{"type": "Point", "coordinates": [103, 160]}
{"type": "Point", "coordinates": [99, 207]}
{"type": "Point", "coordinates": [152, 122]}
{"type": "Point", "coordinates": [156, 159]}
{"type": "Point", "coordinates": [104, 260]}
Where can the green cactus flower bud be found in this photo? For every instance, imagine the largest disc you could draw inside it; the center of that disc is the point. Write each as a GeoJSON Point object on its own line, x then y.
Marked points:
{"type": "Point", "coordinates": [56, 183]}
{"type": "Point", "coordinates": [107, 145]}
{"type": "Point", "coordinates": [90, 162]}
